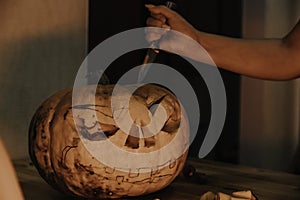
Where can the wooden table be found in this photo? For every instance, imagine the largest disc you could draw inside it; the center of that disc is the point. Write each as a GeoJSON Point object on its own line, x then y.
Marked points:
{"type": "Point", "coordinates": [216, 177]}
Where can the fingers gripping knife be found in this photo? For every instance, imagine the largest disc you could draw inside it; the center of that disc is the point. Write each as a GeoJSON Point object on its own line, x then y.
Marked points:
{"type": "Point", "coordinates": [152, 51]}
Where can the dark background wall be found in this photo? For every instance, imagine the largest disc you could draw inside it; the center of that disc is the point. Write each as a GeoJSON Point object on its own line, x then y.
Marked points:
{"type": "Point", "coordinates": [107, 18]}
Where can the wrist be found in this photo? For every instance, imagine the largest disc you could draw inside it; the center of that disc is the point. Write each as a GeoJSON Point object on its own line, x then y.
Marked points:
{"type": "Point", "coordinates": [202, 39]}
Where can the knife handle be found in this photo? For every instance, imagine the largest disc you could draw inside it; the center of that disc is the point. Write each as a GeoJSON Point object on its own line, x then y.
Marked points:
{"type": "Point", "coordinates": [150, 53]}
{"type": "Point", "coordinates": [152, 50]}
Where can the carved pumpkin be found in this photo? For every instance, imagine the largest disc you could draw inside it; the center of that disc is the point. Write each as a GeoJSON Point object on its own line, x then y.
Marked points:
{"type": "Point", "coordinates": [64, 148]}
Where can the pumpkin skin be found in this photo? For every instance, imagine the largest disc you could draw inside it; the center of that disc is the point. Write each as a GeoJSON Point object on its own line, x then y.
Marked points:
{"type": "Point", "coordinates": [57, 150]}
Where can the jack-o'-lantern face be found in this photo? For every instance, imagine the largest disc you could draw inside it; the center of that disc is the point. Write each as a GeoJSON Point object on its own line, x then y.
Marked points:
{"type": "Point", "coordinates": [95, 147]}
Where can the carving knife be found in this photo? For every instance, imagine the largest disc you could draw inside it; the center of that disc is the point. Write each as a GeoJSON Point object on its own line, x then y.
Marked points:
{"type": "Point", "coordinates": [151, 52]}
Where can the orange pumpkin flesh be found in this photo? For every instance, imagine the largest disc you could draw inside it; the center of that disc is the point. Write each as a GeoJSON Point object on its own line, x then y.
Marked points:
{"type": "Point", "coordinates": [62, 159]}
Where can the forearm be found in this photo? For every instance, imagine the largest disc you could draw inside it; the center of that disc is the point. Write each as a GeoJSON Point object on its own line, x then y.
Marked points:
{"type": "Point", "coordinates": [274, 59]}
{"type": "Point", "coordinates": [265, 59]}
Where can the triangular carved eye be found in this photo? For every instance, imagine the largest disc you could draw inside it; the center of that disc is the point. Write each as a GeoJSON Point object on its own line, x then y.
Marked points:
{"type": "Point", "coordinates": [95, 131]}
{"type": "Point", "coordinates": [132, 142]}
{"type": "Point", "coordinates": [134, 139]}
{"type": "Point", "coordinates": [150, 141]}
{"type": "Point", "coordinates": [144, 136]}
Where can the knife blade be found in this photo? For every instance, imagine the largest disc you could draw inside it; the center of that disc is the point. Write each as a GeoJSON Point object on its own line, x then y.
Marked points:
{"type": "Point", "coordinates": [152, 51]}
{"type": "Point", "coordinates": [149, 58]}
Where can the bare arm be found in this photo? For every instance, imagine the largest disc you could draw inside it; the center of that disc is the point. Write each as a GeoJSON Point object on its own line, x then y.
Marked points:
{"type": "Point", "coordinates": [274, 59]}
{"type": "Point", "coordinates": [9, 185]}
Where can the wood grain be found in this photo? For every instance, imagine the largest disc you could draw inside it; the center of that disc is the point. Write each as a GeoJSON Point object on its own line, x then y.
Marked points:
{"type": "Point", "coordinates": [216, 177]}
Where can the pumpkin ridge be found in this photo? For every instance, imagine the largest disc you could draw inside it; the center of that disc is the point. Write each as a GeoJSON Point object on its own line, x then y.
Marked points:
{"type": "Point", "coordinates": [53, 116]}
{"type": "Point", "coordinates": [67, 162]}
{"type": "Point", "coordinates": [53, 100]}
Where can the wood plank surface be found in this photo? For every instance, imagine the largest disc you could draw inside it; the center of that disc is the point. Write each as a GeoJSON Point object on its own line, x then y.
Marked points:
{"type": "Point", "coordinates": [211, 176]}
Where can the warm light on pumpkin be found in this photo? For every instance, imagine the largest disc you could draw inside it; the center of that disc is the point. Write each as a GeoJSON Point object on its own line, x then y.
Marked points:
{"type": "Point", "coordinates": [68, 155]}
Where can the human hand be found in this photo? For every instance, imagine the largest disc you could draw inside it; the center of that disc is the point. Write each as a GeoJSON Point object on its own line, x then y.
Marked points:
{"type": "Point", "coordinates": [183, 40]}
{"type": "Point", "coordinates": [163, 17]}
